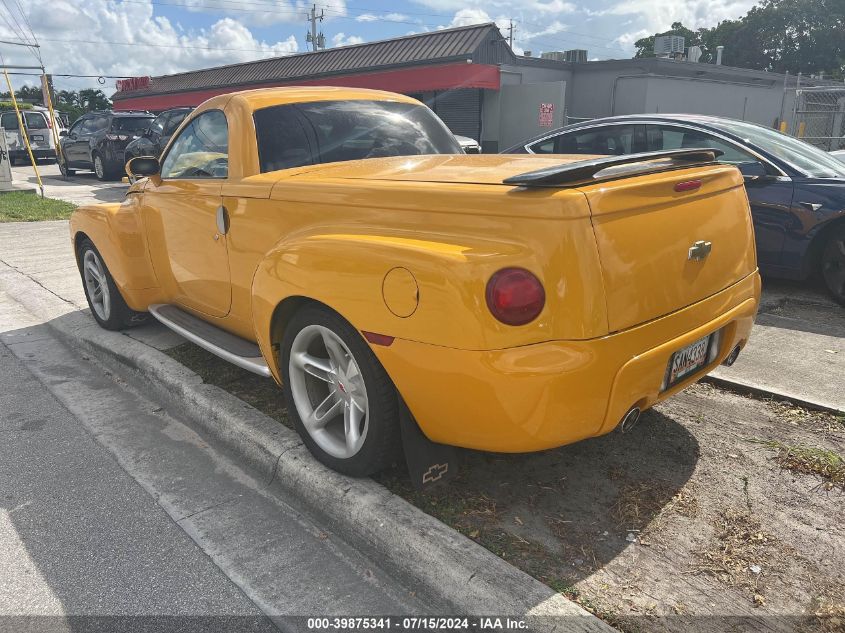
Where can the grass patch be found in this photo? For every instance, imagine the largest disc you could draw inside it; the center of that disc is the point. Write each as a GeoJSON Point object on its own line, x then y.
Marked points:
{"type": "Point", "coordinates": [823, 463]}
{"type": "Point", "coordinates": [23, 206]}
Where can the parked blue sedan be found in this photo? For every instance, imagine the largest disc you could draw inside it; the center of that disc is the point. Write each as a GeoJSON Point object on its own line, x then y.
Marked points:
{"type": "Point", "coordinates": [797, 191]}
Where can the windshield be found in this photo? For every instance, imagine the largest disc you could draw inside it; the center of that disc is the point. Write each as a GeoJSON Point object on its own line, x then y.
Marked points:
{"type": "Point", "coordinates": [809, 160]}
{"type": "Point", "coordinates": [130, 124]}
{"type": "Point", "coordinates": [331, 131]}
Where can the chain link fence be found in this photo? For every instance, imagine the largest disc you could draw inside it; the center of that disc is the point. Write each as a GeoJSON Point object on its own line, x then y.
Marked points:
{"type": "Point", "coordinates": [818, 117]}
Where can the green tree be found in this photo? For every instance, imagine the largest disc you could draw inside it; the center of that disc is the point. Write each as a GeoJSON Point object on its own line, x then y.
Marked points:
{"type": "Point", "coordinates": [93, 99]}
{"type": "Point", "coordinates": [806, 36]}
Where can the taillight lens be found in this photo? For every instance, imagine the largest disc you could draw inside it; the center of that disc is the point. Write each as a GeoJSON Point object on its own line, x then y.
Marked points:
{"type": "Point", "coordinates": [515, 296]}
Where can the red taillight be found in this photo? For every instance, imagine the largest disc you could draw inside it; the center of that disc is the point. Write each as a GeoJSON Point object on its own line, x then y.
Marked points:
{"type": "Point", "coordinates": [515, 296]}
{"type": "Point", "coordinates": [688, 185]}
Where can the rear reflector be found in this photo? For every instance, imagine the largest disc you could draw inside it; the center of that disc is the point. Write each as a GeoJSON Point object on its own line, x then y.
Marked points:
{"type": "Point", "coordinates": [688, 185]}
{"type": "Point", "coordinates": [378, 339]}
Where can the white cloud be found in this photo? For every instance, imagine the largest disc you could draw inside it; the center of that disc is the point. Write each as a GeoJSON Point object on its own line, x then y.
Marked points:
{"type": "Point", "coordinates": [254, 13]}
{"type": "Point", "coordinates": [387, 17]}
{"type": "Point", "coordinates": [342, 39]}
{"type": "Point", "coordinates": [658, 15]}
{"type": "Point", "coordinates": [156, 46]}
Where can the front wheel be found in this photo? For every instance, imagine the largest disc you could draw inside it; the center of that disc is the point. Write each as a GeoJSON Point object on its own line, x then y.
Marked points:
{"type": "Point", "coordinates": [107, 305]}
{"type": "Point", "coordinates": [833, 264]}
{"type": "Point", "coordinates": [339, 397]}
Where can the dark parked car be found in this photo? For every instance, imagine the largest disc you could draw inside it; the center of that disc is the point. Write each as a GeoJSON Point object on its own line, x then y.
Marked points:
{"type": "Point", "coordinates": [97, 140]}
{"type": "Point", "coordinates": [797, 191]}
{"type": "Point", "coordinates": [154, 139]}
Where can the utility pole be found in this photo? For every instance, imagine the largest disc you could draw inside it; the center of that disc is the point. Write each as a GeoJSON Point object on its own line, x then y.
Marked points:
{"type": "Point", "coordinates": [317, 40]}
{"type": "Point", "coordinates": [511, 30]}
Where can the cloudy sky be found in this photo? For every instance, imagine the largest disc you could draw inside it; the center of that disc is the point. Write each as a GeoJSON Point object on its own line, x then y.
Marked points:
{"type": "Point", "coordinates": [153, 37]}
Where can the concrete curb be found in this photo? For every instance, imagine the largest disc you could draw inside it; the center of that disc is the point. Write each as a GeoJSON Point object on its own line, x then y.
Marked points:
{"type": "Point", "coordinates": [750, 389]}
{"type": "Point", "coordinates": [444, 564]}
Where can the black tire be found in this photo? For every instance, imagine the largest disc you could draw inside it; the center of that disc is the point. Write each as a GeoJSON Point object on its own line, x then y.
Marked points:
{"type": "Point", "coordinates": [63, 168]}
{"type": "Point", "coordinates": [107, 172]}
{"type": "Point", "coordinates": [832, 264]}
{"type": "Point", "coordinates": [382, 442]}
{"type": "Point", "coordinates": [118, 316]}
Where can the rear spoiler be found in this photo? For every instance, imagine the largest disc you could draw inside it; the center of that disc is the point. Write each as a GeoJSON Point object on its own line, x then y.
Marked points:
{"type": "Point", "coordinates": [583, 172]}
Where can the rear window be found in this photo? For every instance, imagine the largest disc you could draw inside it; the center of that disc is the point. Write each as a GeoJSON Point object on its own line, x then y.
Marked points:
{"type": "Point", "coordinates": [35, 120]}
{"type": "Point", "coordinates": [131, 124]}
{"type": "Point", "coordinates": [300, 134]}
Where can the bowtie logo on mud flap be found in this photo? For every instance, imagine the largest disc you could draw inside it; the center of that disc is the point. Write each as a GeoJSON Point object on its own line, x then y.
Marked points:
{"type": "Point", "coordinates": [435, 472]}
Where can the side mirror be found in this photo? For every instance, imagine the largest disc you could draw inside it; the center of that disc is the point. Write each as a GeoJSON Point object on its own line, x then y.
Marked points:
{"type": "Point", "coordinates": [141, 166]}
{"type": "Point", "coordinates": [62, 132]}
{"type": "Point", "coordinates": [753, 170]}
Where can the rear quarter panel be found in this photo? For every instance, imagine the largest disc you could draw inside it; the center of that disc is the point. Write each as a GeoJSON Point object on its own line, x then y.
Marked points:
{"type": "Point", "coordinates": [340, 240]}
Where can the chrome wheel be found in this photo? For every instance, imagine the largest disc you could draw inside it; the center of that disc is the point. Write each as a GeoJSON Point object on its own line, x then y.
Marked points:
{"type": "Point", "coordinates": [328, 391]}
{"type": "Point", "coordinates": [98, 167]}
{"type": "Point", "coordinates": [96, 284]}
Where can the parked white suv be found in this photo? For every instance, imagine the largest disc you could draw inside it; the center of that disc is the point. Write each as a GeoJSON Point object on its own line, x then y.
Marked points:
{"type": "Point", "coordinates": [39, 130]}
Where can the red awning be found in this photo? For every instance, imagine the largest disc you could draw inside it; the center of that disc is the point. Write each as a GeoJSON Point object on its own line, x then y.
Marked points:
{"type": "Point", "coordinates": [406, 80]}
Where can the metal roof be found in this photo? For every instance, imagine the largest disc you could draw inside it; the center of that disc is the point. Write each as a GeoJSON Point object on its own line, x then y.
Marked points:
{"type": "Point", "coordinates": [437, 46]}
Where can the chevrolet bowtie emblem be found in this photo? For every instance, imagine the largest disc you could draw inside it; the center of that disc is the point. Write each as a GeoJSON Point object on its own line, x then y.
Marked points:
{"type": "Point", "coordinates": [699, 251]}
{"type": "Point", "coordinates": [435, 472]}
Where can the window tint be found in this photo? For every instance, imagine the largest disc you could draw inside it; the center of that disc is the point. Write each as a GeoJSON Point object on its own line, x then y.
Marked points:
{"type": "Point", "coordinates": [87, 126]}
{"type": "Point", "coordinates": [201, 150]}
{"type": "Point", "coordinates": [661, 137]}
{"type": "Point", "coordinates": [130, 124]}
{"type": "Point", "coordinates": [98, 123]}
{"type": "Point", "coordinates": [610, 140]}
{"type": "Point", "coordinates": [9, 121]}
{"type": "Point", "coordinates": [545, 147]}
{"type": "Point", "coordinates": [35, 121]}
{"type": "Point", "coordinates": [330, 131]}
{"type": "Point", "coordinates": [158, 125]}
{"type": "Point", "coordinates": [174, 121]}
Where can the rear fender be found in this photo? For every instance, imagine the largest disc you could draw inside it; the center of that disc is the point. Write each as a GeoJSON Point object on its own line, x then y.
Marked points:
{"type": "Point", "coordinates": [420, 288]}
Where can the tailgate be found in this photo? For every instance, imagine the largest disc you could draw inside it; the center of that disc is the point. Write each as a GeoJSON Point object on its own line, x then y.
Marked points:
{"type": "Point", "coordinates": [653, 240]}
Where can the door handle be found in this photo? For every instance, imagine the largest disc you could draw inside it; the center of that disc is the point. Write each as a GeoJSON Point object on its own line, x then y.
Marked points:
{"type": "Point", "coordinates": [812, 206]}
{"type": "Point", "coordinates": [222, 220]}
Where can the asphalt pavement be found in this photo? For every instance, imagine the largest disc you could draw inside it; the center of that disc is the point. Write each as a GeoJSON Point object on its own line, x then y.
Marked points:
{"type": "Point", "coordinates": [115, 515]}
{"type": "Point", "coordinates": [80, 537]}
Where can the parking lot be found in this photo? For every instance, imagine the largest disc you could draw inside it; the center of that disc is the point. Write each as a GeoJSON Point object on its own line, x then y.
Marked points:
{"type": "Point", "coordinates": [82, 188]}
{"type": "Point", "coordinates": [707, 510]}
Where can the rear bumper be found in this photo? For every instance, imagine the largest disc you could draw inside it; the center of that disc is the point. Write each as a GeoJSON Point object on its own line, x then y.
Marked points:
{"type": "Point", "coordinates": [546, 395]}
{"type": "Point", "coordinates": [37, 153]}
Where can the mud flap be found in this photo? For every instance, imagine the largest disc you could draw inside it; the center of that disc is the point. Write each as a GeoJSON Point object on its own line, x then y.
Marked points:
{"type": "Point", "coordinates": [429, 464]}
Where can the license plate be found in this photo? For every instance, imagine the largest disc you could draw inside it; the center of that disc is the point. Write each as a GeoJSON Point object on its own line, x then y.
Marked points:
{"type": "Point", "coordinates": [687, 361]}
{"type": "Point", "coordinates": [36, 138]}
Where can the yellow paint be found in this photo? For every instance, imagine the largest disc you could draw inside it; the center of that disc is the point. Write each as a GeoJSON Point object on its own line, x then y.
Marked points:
{"type": "Point", "coordinates": [368, 237]}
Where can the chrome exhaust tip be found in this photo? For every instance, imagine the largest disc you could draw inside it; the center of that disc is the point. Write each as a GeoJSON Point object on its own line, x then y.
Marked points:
{"type": "Point", "coordinates": [731, 358]}
{"type": "Point", "coordinates": [630, 419]}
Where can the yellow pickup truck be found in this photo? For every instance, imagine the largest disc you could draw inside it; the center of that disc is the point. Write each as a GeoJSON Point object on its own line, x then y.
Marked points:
{"type": "Point", "coordinates": [338, 241]}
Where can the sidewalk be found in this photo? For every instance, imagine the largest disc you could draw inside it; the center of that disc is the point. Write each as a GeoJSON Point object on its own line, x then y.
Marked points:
{"type": "Point", "coordinates": [796, 350]}
{"type": "Point", "coordinates": [83, 188]}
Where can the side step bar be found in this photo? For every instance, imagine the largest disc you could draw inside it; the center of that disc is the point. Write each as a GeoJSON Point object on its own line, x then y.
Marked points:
{"type": "Point", "coordinates": [229, 347]}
